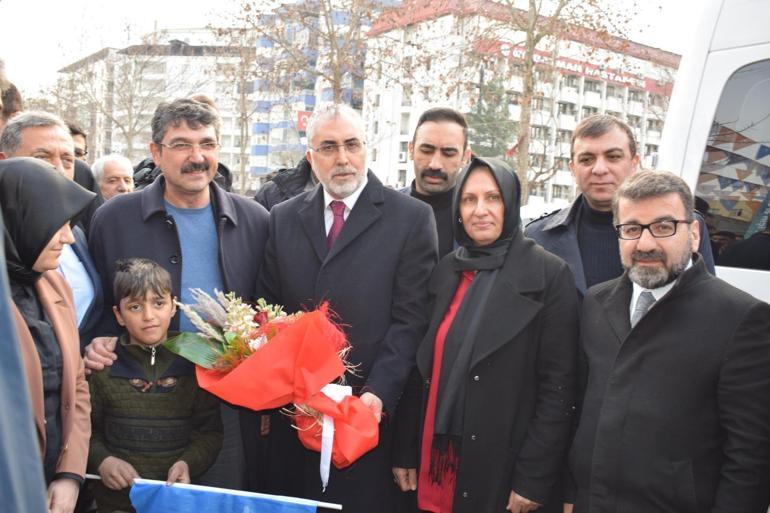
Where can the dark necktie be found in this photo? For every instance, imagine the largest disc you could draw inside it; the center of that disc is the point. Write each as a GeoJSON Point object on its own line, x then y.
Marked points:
{"type": "Point", "coordinates": [645, 301]}
{"type": "Point", "coordinates": [338, 209]}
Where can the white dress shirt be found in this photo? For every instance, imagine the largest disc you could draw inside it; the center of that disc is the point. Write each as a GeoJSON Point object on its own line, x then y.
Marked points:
{"type": "Point", "coordinates": [349, 202]}
{"type": "Point", "coordinates": [656, 293]}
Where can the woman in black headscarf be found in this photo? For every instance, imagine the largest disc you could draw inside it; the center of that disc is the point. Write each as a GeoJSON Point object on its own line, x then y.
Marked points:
{"type": "Point", "coordinates": [494, 387]}
{"type": "Point", "coordinates": [38, 204]}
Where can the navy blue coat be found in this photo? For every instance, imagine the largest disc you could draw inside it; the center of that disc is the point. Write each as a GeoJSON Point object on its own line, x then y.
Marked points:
{"type": "Point", "coordinates": [93, 315]}
{"type": "Point", "coordinates": [375, 278]}
{"type": "Point", "coordinates": [557, 232]}
{"type": "Point", "coordinates": [137, 225]}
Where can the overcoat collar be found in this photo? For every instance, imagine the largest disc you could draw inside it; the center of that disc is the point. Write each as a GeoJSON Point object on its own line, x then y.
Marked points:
{"type": "Point", "coordinates": [153, 202]}
{"type": "Point", "coordinates": [565, 216]}
{"type": "Point", "coordinates": [510, 307]}
{"type": "Point", "coordinates": [365, 212]}
{"type": "Point", "coordinates": [615, 300]}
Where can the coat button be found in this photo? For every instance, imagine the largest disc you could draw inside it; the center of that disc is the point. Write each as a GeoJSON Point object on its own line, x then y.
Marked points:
{"type": "Point", "coordinates": [476, 378]}
{"type": "Point", "coordinates": [174, 259]}
{"type": "Point", "coordinates": [465, 495]}
{"type": "Point", "coordinates": [473, 437]}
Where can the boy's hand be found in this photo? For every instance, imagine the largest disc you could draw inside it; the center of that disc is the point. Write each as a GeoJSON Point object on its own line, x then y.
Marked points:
{"type": "Point", "coordinates": [117, 474]}
{"type": "Point", "coordinates": [100, 353]}
{"type": "Point", "coordinates": [178, 473]}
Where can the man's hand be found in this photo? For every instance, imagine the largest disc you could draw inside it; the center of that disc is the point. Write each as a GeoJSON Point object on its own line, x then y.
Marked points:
{"type": "Point", "coordinates": [100, 353]}
{"type": "Point", "coordinates": [519, 504]}
{"type": "Point", "coordinates": [62, 495]}
{"type": "Point", "coordinates": [406, 478]}
{"type": "Point", "coordinates": [117, 474]}
{"type": "Point", "coordinates": [178, 473]}
{"type": "Point", "coordinates": [373, 403]}
{"type": "Point", "coordinates": [568, 507]}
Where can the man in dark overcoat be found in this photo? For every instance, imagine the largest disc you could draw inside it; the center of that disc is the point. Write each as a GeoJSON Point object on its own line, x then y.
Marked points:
{"type": "Point", "coordinates": [675, 416]}
{"type": "Point", "coordinates": [369, 251]}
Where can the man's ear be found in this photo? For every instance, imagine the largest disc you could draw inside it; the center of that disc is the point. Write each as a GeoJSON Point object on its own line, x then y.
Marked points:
{"type": "Point", "coordinates": [155, 150]}
{"type": "Point", "coordinates": [695, 231]}
{"type": "Point", "coordinates": [636, 160]}
{"type": "Point", "coordinates": [467, 154]}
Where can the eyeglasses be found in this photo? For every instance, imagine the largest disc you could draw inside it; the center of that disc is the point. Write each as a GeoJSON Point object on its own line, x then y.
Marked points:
{"type": "Point", "coordinates": [185, 147]}
{"type": "Point", "coordinates": [328, 149]}
{"type": "Point", "coordinates": [80, 153]}
{"type": "Point", "coordinates": [658, 229]}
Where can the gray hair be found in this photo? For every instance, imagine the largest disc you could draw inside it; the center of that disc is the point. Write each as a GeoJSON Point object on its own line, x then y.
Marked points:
{"type": "Point", "coordinates": [333, 110]}
{"type": "Point", "coordinates": [653, 184]}
{"type": "Point", "coordinates": [192, 112]}
{"type": "Point", "coordinates": [98, 167]}
{"type": "Point", "coordinates": [10, 140]}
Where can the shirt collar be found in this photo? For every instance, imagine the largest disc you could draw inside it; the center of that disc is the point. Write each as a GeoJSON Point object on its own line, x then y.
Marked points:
{"type": "Point", "coordinates": [349, 201]}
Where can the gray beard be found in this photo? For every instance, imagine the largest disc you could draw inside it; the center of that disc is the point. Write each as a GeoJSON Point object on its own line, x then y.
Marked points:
{"type": "Point", "coordinates": [654, 277]}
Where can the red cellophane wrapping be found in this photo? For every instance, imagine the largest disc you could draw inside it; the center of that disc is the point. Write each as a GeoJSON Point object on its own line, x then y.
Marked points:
{"type": "Point", "coordinates": [300, 359]}
{"type": "Point", "coordinates": [355, 428]}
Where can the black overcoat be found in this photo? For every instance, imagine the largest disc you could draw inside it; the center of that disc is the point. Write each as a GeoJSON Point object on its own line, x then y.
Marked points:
{"type": "Point", "coordinates": [675, 416]}
{"type": "Point", "coordinates": [375, 279]}
{"type": "Point", "coordinates": [520, 387]}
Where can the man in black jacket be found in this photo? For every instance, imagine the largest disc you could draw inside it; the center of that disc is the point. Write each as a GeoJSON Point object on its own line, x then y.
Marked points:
{"type": "Point", "coordinates": [204, 236]}
{"type": "Point", "coordinates": [675, 416]}
{"type": "Point", "coordinates": [439, 150]}
{"type": "Point", "coordinates": [286, 184]}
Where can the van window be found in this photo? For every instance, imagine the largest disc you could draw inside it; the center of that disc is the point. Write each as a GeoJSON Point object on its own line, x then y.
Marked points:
{"type": "Point", "coordinates": [735, 174]}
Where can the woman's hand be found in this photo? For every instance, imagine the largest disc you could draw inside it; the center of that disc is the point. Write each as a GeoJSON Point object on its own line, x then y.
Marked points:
{"type": "Point", "coordinates": [117, 474]}
{"type": "Point", "coordinates": [62, 495]}
{"type": "Point", "coordinates": [519, 504]}
{"type": "Point", "coordinates": [405, 478]}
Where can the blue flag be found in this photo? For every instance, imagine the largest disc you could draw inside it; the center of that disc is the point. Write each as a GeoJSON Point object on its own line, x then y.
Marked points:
{"type": "Point", "coordinates": [149, 496]}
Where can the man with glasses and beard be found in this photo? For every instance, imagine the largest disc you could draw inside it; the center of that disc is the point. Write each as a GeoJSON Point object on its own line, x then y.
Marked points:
{"type": "Point", "coordinates": [203, 236]}
{"type": "Point", "coordinates": [439, 150]}
{"type": "Point", "coordinates": [677, 373]}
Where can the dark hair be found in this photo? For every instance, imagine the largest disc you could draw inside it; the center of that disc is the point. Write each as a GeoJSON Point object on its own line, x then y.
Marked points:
{"type": "Point", "coordinates": [75, 129]}
{"type": "Point", "coordinates": [192, 112]}
{"type": "Point", "coordinates": [11, 101]}
{"type": "Point", "coordinates": [446, 115]}
{"type": "Point", "coordinates": [135, 277]}
{"type": "Point", "coordinates": [643, 185]}
{"type": "Point", "coordinates": [598, 125]}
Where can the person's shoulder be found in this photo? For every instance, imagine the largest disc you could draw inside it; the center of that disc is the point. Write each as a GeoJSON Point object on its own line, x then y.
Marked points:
{"type": "Point", "coordinates": [247, 205]}
{"type": "Point", "coordinates": [540, 224]}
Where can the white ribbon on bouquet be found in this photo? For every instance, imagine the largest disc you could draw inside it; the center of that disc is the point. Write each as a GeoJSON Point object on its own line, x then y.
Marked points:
{"type": "Point", "coordinates": [336, 393]}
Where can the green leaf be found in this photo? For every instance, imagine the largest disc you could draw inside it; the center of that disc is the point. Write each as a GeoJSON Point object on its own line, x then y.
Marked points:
{"type": "Point", "coordinates": [195, 348]}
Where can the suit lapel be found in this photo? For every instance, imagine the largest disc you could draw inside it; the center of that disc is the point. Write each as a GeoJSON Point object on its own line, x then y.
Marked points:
{"type": "Point", "coordinates": [312, 218]}
{"type": "Point", "coordinates": [616, 305]}
{"type": "Point", "coordinates": [506, 314]}
{"type": "Point", "coordinates": [365, 212]}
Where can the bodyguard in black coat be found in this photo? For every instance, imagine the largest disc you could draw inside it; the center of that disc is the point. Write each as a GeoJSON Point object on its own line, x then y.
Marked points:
{"type": "Point", "coordinates": [675, 416]}
{"type": "Point", "coordinates": [374, 276]}
{"type": "Point", "coordinates": [515, 370]}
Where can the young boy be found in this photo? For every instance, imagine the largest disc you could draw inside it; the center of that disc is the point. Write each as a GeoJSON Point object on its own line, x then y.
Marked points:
{"type": "Point", "coordinates": [150, 419]}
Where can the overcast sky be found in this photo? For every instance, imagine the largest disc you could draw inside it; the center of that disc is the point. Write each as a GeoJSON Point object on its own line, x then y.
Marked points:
{"type": "Point", "coordinates": [39, 37]}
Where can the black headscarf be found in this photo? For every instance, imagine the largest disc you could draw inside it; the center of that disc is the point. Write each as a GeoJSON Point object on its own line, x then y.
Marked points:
{"type": "Point", "coordinates": [470, 256]}
{"type": "Point", "coordinates": [486, 260]}
{"type": "Point", "coordinates": [36, 201]}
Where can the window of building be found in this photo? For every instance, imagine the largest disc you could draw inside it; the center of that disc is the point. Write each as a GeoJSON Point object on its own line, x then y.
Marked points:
{"type": "Point", "coordinates": [561, 163]}
{"type": "Point", "coordinates": [561, 191]}
{"type": "Point", "coordinates": [564, 136]}
{"type": "Point", "coordinates": [537, 189]}
{"type": "Point", "coordinates": [657, 100]}
{"type": "Point", "coordinates": [406, 97]}
{"type": "Point", "coordinates": [592, 86]}
{"type": "Point", "coordinates": [568, 109]}
{"type": "Point", "coordinates": [613, 91]}
{"type": "Point", "coordinates": [635, 95]}
{"type": "Point", "coordinates": [374, 155]}
{"type": "Point", "coordinates": [589, 111]}
{"type": "Point", "coordinates": [540, 132]}
{"type": "Point", "coordinates": [650, 149]}
{"type": "Point", "coordinates": [536, 160]}
{"type": "Point", "coordinates": [376, 127]}
{"type": "Point", "coordinates": [404, 123]}
{"type": "Point", "coordinates": [570, 80]}
{"type": "Point", "coordinates": [634, 121]}
{"type": "Point", "coordinates": [654, 124]}
{"type": "Point", "coordinates": [735, 175]}
{"type": "Point", "coordinates": [403, 151]}
{"type": "Point", "coordinates": [402, 177]}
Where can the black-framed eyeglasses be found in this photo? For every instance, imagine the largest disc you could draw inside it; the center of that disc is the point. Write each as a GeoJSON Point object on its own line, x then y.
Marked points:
{"type": "Point", "coordinates": [80, 153]}
{"type": "Point", "coordinates": [328, 149]}
{"type": "Point", "coordinates": [185, 147]}
{"type": "Point", "coordinates": [658, 229]}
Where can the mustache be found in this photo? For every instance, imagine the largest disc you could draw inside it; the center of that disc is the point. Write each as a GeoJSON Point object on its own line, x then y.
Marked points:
{"type": "Point", "coordinates": [189, 167]}
{"type": "Point", "coordinates": [434, 173]}
{"type": "Point", "coordinates": [343, 170]}
{"type": "Point", "coordinates": [655, 254]}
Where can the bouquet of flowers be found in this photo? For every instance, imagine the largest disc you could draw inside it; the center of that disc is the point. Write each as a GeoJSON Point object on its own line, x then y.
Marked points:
{"type": "Point", "coordinates": [262, 358]}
